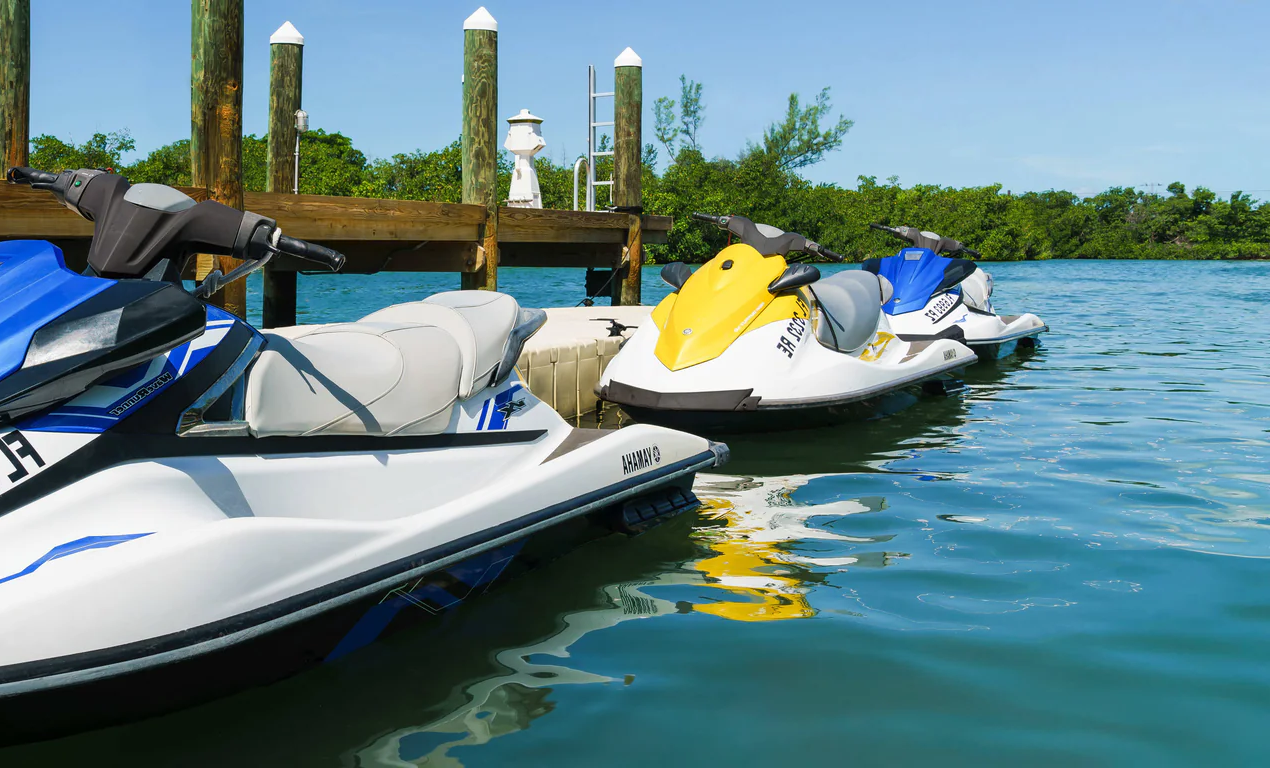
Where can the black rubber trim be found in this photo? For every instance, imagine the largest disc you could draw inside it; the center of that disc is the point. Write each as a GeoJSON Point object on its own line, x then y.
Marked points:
{"type": "Point", "coordinates": [953, 332]}
{"type": "Point", "coordinates": [111, 449]}
{"type": "Point", "coordinates": [722, 400]}
{"type": "Point", "coordinates": [90, 661]}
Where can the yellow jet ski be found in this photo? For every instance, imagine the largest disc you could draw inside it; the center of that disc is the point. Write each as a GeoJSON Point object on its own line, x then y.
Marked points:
{"type": "Point", "coordinates": [757, 340]}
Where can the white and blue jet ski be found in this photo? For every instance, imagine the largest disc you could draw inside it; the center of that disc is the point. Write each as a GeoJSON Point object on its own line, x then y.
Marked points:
{"type": "Point", "coordinates": [943, 297]}
{"type": "Point", "coordinates": [189, 506]}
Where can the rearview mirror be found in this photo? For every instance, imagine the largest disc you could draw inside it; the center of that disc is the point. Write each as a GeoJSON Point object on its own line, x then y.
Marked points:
{"type": "Point", "coordinates": [794, 276]}
{"type": "Point", "coordinates": [676, 274]}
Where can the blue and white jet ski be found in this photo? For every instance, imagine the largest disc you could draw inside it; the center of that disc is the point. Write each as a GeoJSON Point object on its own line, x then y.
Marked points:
{"type": "Point", "coordinates": [938, 297]}
{"type": "Point", "coordinates": [190, 506]}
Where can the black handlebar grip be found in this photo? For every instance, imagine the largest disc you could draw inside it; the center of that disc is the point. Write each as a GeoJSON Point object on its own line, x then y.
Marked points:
{"type": "Point", "coordinates": [976, 254]}
{"type": "Point", "coordinates": [817, 248]}
{"type": "Point", "coordinates": [301, 249]}
{"type": "Point", "coordinates": [23, 175]}
{"type": "Point", "coordinates": [706, 217]}
{"type": "Point", "coordinates": [881, 227]}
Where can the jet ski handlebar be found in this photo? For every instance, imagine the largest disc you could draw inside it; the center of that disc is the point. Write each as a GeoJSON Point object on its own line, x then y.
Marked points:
{"type": "Point", "coordinates": [206, 227]}
{"type": "Point", "coordinates": [926, 239]}
{"type": "Point", "coordinates": [719, 221]}
{"type": "Point", "coordinates": [302, 249]}
{"type": "Point", "coordinates": [820, 250]}
{"type": "Point", "coordinates": [21, 175]}
{"type": "Point", "coordinates": [763, 235]}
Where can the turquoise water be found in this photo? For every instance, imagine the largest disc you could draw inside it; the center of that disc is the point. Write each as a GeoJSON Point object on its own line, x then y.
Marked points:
{"type": "Point", "coordinates": [1067, 564]}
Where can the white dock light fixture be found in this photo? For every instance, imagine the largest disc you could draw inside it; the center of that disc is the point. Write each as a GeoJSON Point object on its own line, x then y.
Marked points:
{"type": "Point", "coordinates": [524, 140]}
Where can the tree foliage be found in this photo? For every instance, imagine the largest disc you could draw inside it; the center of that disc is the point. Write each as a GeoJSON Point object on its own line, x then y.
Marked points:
{"type": "Point", "coordinates": [798, 141]}
{"type": "Point", "coordinates": [664, 128]}
{"type": "Point", "coordinates": [103, 150]}
{"type": "Point", "coordinates": [691, 112]}
{"type": "Point", "coordinates": [763, 183]}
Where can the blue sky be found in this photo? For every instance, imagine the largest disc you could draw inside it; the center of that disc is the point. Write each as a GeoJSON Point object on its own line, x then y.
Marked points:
{"type": "Point", "coordinates": [1068, 94]}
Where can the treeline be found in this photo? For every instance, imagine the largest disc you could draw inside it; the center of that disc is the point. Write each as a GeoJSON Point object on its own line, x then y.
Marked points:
{"type": "Point", "coordinates": [764, 183]}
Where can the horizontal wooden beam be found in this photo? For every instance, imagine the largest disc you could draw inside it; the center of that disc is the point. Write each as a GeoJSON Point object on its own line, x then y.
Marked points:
{"type": "Point", "coordinates": [376, 235]}
{"type": "Point", "coordinates": [541, 225]}
{"type": "Point", "coordinates": [325, 219]}
{"type": "Point", "coordinates": [367, 258]}
{"type": "Point", "coordinates": [604, 255]}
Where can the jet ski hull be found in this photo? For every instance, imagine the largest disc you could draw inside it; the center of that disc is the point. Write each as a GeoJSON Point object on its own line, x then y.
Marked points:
{"type": "Point", "coordinates": [67, 694]}
{"type": "Point", "coordinates": [993, 350]}
{"type": "Point", "coordinates": [811, 387]}
{"type": "Point", "coordinates": [789, 416]}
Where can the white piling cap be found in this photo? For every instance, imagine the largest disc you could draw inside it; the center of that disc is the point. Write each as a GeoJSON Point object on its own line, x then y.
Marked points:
{"type": "Point", "coordinates": [628, 58]}
{"type": "Point", "coordinates": [287, 33]}
{"type": "Point", "coordinates": [481, 20]}
{"type": "Point", "coordinates": [524, 117]}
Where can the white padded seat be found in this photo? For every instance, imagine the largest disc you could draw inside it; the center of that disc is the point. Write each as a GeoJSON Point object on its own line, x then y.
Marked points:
{"type": "Point", "coordinates": [368, 378]}
{"type": "Point", "coordinates": [481, 322]}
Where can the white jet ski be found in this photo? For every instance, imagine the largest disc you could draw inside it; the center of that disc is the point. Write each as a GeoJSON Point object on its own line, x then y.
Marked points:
{"type": "Point", "coordinates": [940, 297]}
{"type": "Point", "coordinates": [754, 340]}
{"type": "Point", "coordinates": [189, 506]}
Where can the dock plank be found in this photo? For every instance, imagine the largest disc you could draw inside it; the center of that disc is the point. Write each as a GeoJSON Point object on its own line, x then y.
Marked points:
{"type": "Point", "coordinates": [323, 218]}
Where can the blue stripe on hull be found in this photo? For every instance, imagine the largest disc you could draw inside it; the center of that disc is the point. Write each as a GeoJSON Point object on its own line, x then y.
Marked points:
{"type": "Point", "coordinates": [70, 548]}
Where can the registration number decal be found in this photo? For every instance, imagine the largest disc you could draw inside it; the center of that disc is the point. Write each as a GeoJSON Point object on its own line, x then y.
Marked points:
{"type": "Point", "coordinates": [942, 306]}
{"type": "Point", "coordinates": [792, 337]}
{"type": "Point", "coordinates": [22, 458]}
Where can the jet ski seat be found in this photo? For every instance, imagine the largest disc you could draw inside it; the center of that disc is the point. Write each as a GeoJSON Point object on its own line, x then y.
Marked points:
{"type": "Point", "coordinates": [398, 371]}
{"type": "Point", "coordinates": [849, 309]}
{"type": "Point", "coordinates": [489, 327]}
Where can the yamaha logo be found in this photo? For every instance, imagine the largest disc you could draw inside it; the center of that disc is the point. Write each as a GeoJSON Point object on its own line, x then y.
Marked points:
{"type": "Point", "coordinates": [687, 331]}
{"type": "Point", "coordinates": [638, 461]}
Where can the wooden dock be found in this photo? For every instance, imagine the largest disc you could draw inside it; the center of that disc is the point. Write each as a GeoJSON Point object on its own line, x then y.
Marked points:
{"type": "Point", "coordinates": [472, 238]}
{"type": "Point", "coordinates": [378, 235]}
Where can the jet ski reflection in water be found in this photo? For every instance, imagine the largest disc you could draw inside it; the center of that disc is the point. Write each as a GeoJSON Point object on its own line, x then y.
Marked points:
{"type": "Point", "coordinates": [754, 340]}
{"type": "Point", "coordinates": [189, 506]}
{"type": "Point", "coordinates": [938, 297]}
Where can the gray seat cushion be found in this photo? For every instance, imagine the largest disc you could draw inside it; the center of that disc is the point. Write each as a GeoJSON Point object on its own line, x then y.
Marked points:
{"type": "Point", "coordinates": [490, 328]}
{"type": "Point", "coordinates": [397, 371]}
{"type": "Point", "coordinates": [354, 379]}
{"type": "Point", "coordinates": [849, 309]}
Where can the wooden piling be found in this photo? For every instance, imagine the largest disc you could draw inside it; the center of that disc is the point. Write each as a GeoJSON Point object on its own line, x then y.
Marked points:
{"type": "Point", "coordinates": [628, 106]}
{"type": "Point", "coordinates": [286, 63]}
{"type": "Point", "coordinates": [216, 129]}
{"type": "Point", "coordinates": [15, 82]}
{"type": "Point", "coordinates": [480, 137]}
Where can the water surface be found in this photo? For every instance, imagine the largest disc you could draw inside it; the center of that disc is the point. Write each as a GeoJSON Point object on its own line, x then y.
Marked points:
{"type": "Point", "coordinates": [1067, 564]}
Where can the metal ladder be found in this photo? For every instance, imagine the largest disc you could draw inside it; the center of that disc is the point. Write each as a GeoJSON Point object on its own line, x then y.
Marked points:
{"type": "Point", "coordinates": [591, 153]}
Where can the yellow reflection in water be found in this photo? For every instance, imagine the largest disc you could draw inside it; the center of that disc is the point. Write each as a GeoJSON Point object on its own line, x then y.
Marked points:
{"type": "Point", "coordinates": [756, 562]}
{"type": "Point", "coordinates": [751, 572]}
